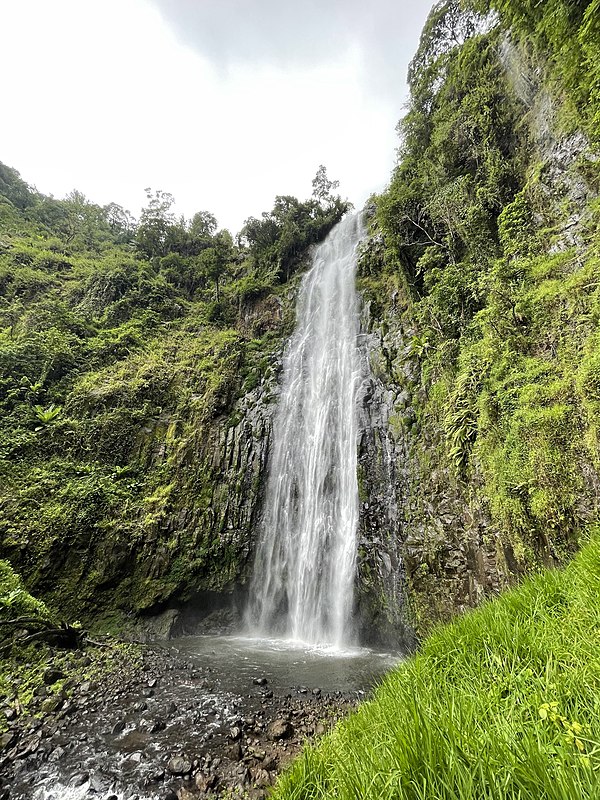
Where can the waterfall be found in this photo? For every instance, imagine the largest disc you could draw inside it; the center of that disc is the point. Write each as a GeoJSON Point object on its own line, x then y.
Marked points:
{"type": "Point", "coordinates": [302, 585]}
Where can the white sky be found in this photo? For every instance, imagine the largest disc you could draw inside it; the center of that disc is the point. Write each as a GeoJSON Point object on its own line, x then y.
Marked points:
{"type": "Point", "coordinates": [112, 96]}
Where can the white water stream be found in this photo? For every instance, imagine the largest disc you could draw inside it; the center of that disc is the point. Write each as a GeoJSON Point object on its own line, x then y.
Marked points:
{"type": "Point", "coordinates": [304, 570]}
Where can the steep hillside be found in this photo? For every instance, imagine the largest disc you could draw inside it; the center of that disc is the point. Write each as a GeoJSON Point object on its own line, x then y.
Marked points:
{"type": "Point", "coordinates": [481, 283]}
{"type": "Point", "coordinates": [138, 364]}
{"type": "Point", "coordinates": [503, 703]}
{"type": "Point", "coordinates": [139, 361]}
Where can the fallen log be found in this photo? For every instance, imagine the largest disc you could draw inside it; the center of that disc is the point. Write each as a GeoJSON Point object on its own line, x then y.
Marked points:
{"type": "Point", "coordinates": [64, 635]}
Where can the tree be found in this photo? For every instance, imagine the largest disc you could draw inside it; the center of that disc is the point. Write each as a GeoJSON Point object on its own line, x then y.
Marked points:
{"type": "Point", "coordinates": [120, 222]}
{"type": "Point", "coordinates": [447, 28]}
{"type": "Point", "coordinates": [259, 234]}
{"type": "Point", "coordinates": [203, 225]}
{"type": "Point", "coordinates": [155, 221]}
{"type": "Point", "coordinates": [215, 259]}
{"type": "Point", "coordinates": [14, 188]}
{"type": "Point", "coordinates": [323, 187]}
{"type": "Point", "coordinates": [86, 222]}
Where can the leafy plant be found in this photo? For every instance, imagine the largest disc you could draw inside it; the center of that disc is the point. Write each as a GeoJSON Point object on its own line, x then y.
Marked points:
{"type": "Point", "coordinates": [47, 415]}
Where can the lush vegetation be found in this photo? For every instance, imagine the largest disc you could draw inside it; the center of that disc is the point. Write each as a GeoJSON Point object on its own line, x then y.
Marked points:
{"type": "Point", "coordinates": [566, 35]}
{"type": "Point", "coordinates": [15, 600]}
{"type": "Point", "coordinates": [124, 346]}
{"type": "Point", "coordinates": [489, 232]}
{"type": "Point", "coordinates": [503, 703]}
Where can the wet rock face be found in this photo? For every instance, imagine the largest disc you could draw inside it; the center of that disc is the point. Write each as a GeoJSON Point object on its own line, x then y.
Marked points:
{"type": "Point", "coordinates": [563, 181]}
{"type": "Point", "coordinates": [427, 548]}
{"type": "Point", "coordinates": [382, 460]}
{"type": "Point", "coordinates": [229, 459]}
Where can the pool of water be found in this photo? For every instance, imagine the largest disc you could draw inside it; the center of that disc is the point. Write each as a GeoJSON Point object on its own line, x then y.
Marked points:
{"type": "Point", "coordinates": [287, 665]}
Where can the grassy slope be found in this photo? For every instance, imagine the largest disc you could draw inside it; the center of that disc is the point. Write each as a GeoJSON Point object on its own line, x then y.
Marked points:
{"type": "Point", "coordinates": [503, 703]}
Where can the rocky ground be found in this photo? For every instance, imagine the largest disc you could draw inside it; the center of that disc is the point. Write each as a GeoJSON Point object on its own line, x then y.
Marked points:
{"type": "Point", "coordinates": [151, 723]}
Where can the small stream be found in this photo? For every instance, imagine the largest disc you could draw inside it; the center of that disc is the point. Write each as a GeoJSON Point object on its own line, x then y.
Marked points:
{"type": "Point", "coordinates": [209, 700]}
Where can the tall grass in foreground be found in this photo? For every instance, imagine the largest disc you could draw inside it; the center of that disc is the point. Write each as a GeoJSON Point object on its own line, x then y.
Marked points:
{"type": "Point", "coordinates": [503, 703]}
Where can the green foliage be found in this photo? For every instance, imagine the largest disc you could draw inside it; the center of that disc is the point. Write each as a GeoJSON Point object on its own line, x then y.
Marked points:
{"type": "Point", "coordinates": [502, 704]}
{"type": "Point", "coordinates": [502, 311]}
{"type": "Point", "coordinates": [566, 37]}
{"type": "Point", "coordinates": [459, 165]}
{"type": "Point", "coordinates": [461, 420]}
{"type": "Point", "coordinates": [46, 415]}
{"type": "Point", "coordinates": [278, 240]}
{"type": "Point", "coordinates": [15, 600]}
{"type": "Point", "coordinates": [123, 347]}
{"type": "Point", "coordinates": [323, 188]}
{"type": "Point", "coordinates": [14, 189]}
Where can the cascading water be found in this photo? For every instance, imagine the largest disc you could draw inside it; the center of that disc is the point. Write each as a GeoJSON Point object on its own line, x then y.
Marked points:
{"type": "Point", "coordinates": [302, 585]}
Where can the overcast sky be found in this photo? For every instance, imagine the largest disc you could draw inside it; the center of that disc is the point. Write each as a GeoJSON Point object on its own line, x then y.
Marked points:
{"type": "Point", "coordinates": [223, 103]}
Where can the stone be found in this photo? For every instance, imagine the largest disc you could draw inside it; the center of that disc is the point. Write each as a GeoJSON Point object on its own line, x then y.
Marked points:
{"type": "Point", "coordinates": [179, 765]}
{"type": "Point", "coordinates": [7, 740]}
{"type": "Point", "coordinates": [118, 727]}
{"type": "Point", "coordinates": [270, 763]}
{"type": "Point", "coordinates": [79, 779]}
{"type": "Point", "coordinates": [98, 784]}
{"type": "Point", "coordinates": [57, 754]}
{"type": "Point", "coordinates": [235, 733]}
{"type": "Point", "coordinates": [261, 777]}
{"type": "Point", "coordinates": [30, 745]}
{"type": "Point", "coordinates": [280, 729]}
{"type": "Point", "coordinates": [260, 681]}
{"type": "Point", "coordinates": [235, 752]}
{"type": "Point", "coordinates": [52, 675]}
{"type": "Point", "coordinates": [205, 782]}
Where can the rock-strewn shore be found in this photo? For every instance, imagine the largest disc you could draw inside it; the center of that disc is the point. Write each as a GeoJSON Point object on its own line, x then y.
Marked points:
{"type": "Point", "coordinates": [153, 723]}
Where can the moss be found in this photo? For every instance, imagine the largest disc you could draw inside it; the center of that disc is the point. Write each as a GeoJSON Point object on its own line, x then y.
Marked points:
{"type": "Point", "coordinates": [483, 269]}
{"type": "Point", "coordinates": [110, 502]}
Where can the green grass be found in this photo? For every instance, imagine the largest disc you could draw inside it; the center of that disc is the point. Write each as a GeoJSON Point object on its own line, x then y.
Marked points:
{"type": "Point", "coordinates": [503, 703]}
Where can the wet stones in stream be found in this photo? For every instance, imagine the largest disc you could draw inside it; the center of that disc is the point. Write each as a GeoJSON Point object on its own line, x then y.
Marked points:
{"type": "Point", "coordinates": [161, 727]}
